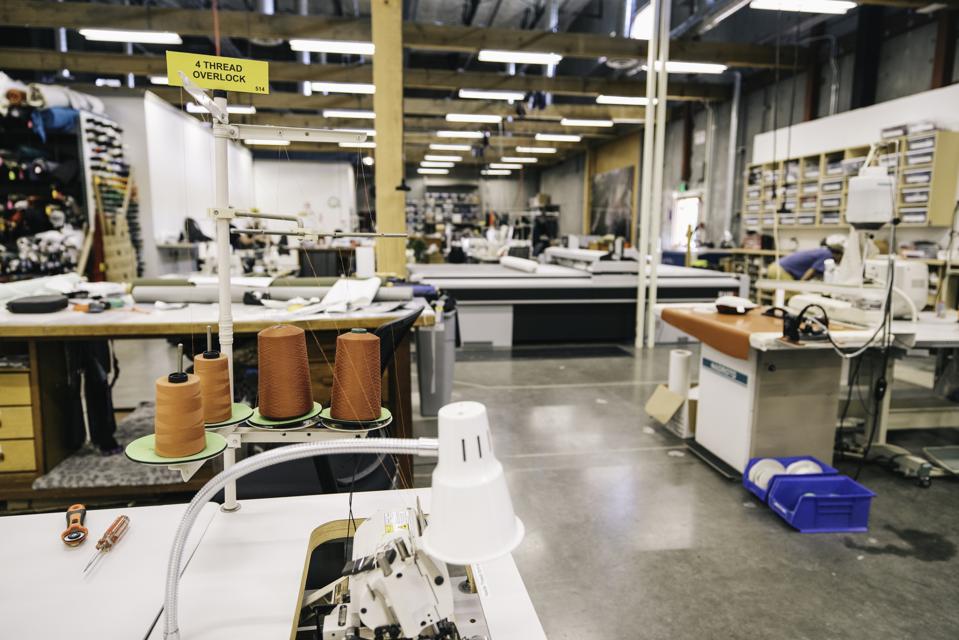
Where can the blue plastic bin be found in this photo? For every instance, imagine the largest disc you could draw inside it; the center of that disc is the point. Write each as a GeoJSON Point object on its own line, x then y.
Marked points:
{"type": "Point", "coordinates": [822, 504]}
{"type": "Point", "coordinates": [762, 494]}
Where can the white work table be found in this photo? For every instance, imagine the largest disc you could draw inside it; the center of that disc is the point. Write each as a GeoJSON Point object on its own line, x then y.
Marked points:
{"type": "Point", "coordinates": [241, 583]}
{"type": "Point", "coordinates": [44, 595]}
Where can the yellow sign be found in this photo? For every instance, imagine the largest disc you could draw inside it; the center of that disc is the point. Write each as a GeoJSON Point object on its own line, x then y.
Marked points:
{"type": "Point", "coordinates": [217, 72]}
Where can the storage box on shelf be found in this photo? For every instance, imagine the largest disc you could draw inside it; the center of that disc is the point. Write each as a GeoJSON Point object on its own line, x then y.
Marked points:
{"type": "Point", "coordinates": [813, 188]}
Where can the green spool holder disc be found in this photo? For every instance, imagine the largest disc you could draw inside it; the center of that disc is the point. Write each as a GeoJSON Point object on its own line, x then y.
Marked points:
{"type": "Point", "coordinates": [299, 422]}
{"type": "Point", "coordinates": [356, 426]}
{"type": "Point", "coordinates": [143, 450]}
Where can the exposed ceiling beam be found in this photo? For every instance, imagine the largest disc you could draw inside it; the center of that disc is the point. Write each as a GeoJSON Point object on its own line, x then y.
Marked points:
{"type": "Point", "coordinates": [118, 63]}
{"type": "Point", "coordinates": [245, 24]}
{"type": "Point", "coordinates": [562, 85]}
{"type": "Point", "coordinates": [283, 100]}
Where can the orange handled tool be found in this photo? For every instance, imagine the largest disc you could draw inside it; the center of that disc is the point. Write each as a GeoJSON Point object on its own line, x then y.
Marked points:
{"type": "Point", "coordinates": [110, 538]}
{"type": "Point", "coordinates": [75, 533]}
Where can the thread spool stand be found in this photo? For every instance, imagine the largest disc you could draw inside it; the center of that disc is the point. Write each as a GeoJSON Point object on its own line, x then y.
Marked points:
{"type": "Point", "coordinates": [233, 431]}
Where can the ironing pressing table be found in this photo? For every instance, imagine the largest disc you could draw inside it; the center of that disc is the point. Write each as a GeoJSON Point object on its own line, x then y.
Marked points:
{"type": "Point", "coordinates": [758, 394]}
{"type": "Point", "coordinates": [242, 582]}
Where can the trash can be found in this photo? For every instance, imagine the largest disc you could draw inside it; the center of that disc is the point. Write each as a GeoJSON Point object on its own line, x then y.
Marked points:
{"type": "Point", "coordinates": [435, 358]}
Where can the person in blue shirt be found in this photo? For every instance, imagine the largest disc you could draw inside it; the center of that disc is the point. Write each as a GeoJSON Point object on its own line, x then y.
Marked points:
{"type": "Point", "coordinates": [808, 264]}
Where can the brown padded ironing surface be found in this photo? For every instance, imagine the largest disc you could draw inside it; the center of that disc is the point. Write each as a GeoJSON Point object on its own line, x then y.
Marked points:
{"type": "Point", "coordinates": [724, 332]}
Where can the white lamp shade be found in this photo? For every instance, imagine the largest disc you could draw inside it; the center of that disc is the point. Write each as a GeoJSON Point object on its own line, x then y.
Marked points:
{"type": "Point", "coordinates": [471, 515]}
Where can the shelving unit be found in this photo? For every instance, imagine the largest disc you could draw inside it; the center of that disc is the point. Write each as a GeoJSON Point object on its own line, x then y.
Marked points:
{"type": "Point", "coordinates": [811, 191]}
{"type": "Point", "coordinates": [456, 205]}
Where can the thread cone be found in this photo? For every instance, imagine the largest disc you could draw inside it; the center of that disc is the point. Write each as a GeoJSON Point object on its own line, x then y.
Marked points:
{"type": "Point", "coordinates": [356, 377]}
{"type": "Point", "coordinates": [285, 390]}
{"type": "Point", "coordinates": [214, 375]}
{"type": "Point", "coordinates": [179, 418]}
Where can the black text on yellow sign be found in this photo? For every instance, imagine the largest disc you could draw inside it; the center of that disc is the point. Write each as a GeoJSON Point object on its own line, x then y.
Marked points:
{"type": "Point", "coordinates": [218, 72]}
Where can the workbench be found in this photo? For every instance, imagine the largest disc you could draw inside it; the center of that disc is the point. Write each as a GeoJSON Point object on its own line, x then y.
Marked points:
{"type": "Point", "coordinates": [557, 303]}
{"type": "Point", "coordinates": [241, 581]}
{"type": "Point", "coordinates": [32, 407]}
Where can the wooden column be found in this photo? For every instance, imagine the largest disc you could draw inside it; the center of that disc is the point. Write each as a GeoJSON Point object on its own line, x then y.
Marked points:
{"type": "Point", "coordinates": [388, 105]}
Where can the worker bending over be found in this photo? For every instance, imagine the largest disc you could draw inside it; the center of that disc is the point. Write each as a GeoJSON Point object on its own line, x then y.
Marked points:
{"type": "Point", "coordinates": [810, 263]}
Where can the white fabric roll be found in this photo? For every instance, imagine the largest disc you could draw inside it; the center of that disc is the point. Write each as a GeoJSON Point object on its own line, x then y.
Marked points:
{"type": "Point", "coordinates": [520, 264]}
{"type": "Point", "coordinates": [679, 364]}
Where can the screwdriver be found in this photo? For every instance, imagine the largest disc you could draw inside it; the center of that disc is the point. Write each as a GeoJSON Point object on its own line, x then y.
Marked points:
{"type": "Point", "coordinates": [110, 537]}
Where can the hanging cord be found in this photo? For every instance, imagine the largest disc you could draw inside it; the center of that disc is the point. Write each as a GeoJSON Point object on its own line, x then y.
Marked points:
{"type": "Point", "coordinates": [216, 25]}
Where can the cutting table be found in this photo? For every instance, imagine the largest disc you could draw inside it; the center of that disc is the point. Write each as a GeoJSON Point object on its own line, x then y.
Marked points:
{"type": "Point", "coordinates": [242, 581]}
{"type": "Point", "coordinates": [506, 306]}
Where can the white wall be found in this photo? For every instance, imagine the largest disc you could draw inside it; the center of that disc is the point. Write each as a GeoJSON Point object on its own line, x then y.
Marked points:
{"type": "Point", "coordinates": [171, 154]}
{"type": "Point", "coordinates": [859, 127]}
{"type": "Point", "coordinates": [290, 187]}
{"type": "Point", "coordinates": [180, 149]}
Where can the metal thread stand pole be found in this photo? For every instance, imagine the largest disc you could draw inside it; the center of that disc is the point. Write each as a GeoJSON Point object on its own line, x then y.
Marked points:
{"type": "Point", "coordinates": [647, 178]}
{"type": "Point", "coordinates": [656, 210]}
{"type": "Point", "coordinates": [221, 201]}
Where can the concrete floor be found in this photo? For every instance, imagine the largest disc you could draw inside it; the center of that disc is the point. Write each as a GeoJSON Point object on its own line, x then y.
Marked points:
{"type": "Point", "coordinates": [630, 536]}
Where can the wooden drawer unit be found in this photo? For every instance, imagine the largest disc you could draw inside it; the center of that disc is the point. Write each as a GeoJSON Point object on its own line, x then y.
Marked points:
{"type": "Point", "coordinates": [14, 389]}
{"type": "Point", "coordinates": [17, 455]}
{"type": "Point", "coordinates": [16, 422]}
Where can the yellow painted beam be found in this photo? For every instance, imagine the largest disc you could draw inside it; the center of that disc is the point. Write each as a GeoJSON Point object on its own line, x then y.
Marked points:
{"type": "Point", "coordinates": [387, 19]}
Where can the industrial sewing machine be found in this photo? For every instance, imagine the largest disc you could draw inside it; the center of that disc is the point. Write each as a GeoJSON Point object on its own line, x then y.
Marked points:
{"type": "Point", "coordinates": [392, 588]}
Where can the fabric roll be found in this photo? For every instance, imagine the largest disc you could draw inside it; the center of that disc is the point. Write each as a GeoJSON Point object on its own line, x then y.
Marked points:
{"type": "Point", "coordinates": [178, 424]}
{"type": "Point", "coordinates": [520, 264]}
{"type": "Point", "coordinates": [214, 375]}
{"type": "Point", "coordinates": [285, 390]}
{"type": "Point", "coordinates": [356, 377]}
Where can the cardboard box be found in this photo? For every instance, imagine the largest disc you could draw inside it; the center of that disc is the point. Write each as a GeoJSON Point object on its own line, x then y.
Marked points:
{"type": "Point", "coordinates": [674, 412]}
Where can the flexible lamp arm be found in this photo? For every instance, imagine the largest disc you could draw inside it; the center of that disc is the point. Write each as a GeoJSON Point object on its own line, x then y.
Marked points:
{"type": "Point", "coordinates": [426, 447]}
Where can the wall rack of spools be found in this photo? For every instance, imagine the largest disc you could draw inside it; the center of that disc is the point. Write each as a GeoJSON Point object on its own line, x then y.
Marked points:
{"type": "Point", "coordinates": [225, 430]}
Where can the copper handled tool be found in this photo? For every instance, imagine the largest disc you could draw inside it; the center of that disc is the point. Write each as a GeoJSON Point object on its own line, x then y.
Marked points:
{"type": "Point", "coordinates": [110, 537]}
{"type": "Point", "coordinates": [75, 533]}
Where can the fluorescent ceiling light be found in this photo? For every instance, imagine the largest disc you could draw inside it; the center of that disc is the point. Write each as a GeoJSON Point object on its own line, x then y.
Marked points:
{"type": "Point", "coordinates": [357, 145]}
{"type": "Point", "coordinates": [344, 87]}
{"type": "Point", "coordinates": [505, 165]}
{"type": "Point", "coordinates": [522, 160]}
{"type": "Point", "coordinates": [629, 101]}
{"type": "Point", "coordinates": [122, 35]}
{"type": "Point", "coordinates": [159, 80]}
{"type": "Point", "coordinates": [481, 94]}
{"type": "Point", "coordinates": [837, 7]}
{"type": "Point", "coordinates": [676, 66]}
{"type": "Point", "coordinates": [473, 117]}
{"type": "Point", "coordinates": [557, 137]}
{"type": "Point", "coordinates": [536, 149]}
{"type": "Point", "coordinates": [108, 82]}
{"type": "Point", "coordinates": [628, 121]}
{"type": "Point", "coordinates": [495, 172]}
{"type": "Point", "coordinates": [238, 109]}
{"type": "Point", "coordinates": [518, 57]}
{"type": "Point", "coordinates": [333, 46]}
{"type": "Point", "coordinates": [368, 161]}
{"type": "Point", "coordinates": [459, 134]}
{"type": "Point", "coordinates": [348, 113]}
{"type": "Point", "coordinates": [439, 146]}
{"type": "Point", "coordinates": [268, 143]}
{"type": "Point", "coordinates": [369, 132]}
{"type": "Point", "coordinates": [642, 27]}
{"type": "Point", "coordinates": [584, 122]}
{"type": "Point", "coordinates": [433, 172]}
{"type": "Point", "coordinates": [437, 165]}
{"type": "Point", "coordinates": [442, 158]}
